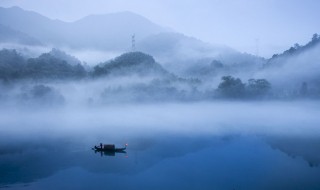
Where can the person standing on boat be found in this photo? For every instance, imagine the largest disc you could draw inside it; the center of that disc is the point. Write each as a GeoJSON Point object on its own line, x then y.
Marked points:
{"type": "Point", "coordinates": [101, 145]}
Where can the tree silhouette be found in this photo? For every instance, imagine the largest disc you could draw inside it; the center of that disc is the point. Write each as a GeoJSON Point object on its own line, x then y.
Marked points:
{"type": "Point", "coordinates": [231, 87]}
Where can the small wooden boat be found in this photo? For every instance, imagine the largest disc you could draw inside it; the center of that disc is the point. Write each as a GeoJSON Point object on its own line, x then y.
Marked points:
{"type": "Point", "coordinates": [109, 148]}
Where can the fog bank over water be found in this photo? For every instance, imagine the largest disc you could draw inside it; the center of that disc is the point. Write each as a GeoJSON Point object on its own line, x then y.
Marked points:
{"type": "Point", "coordinates": [216, 118]}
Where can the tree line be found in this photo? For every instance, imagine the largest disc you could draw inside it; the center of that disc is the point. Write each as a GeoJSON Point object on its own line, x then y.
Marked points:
{"type": "Point", "coordinates": [13, 66]}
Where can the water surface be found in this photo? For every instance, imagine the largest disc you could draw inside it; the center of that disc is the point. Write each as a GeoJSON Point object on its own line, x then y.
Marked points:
{"type": "Point", "coordinates": [173, 146]}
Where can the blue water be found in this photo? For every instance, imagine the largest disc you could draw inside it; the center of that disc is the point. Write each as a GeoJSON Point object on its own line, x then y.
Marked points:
{"type": "Point", "coordinates": [164, 161]}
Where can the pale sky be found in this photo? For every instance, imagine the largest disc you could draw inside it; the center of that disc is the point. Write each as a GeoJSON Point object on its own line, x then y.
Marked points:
{"type": "Point", "coordinates": [274, 25]}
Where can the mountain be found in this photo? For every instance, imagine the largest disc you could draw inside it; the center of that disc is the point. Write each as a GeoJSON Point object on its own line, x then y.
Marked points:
{"type": "Point", "coordinates": [294, 51]}
{"type": "Point", "coordinates": [64, 56]}
{"type": "Point", "coordinates": [128, 64]}
{"type": "Point", "coordinates": [113, 31]}
{"type": "Point", "coordinates": [47, 66]}
{"type": "Point", "coordinates": [188, 56]}
{"type": "Point", "coordinates": [33, 24]}
{"type": "Point", "coordinates": [296, 68]}
{"type": "Point", "coordinates": [107, 32]}
{"type": "Point", "coordinates": [111, 34]}
{"type": "Point", "coordinates": [8, 35]}
{"type": "Point", "coordinates": [141, 79]}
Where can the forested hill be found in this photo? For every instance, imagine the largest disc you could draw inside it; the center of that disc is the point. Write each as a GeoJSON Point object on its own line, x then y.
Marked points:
{"type": "Point", "coordinates": [296, 49]}
{"type": "Point", "coordinates": [14, 66]}
{"type": "Point", "coordinates": [132, 63]}
{"type": "Point", "coordinates": [56, 64]}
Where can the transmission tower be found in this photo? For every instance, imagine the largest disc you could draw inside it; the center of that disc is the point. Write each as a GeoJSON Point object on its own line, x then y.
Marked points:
{"type": "Point", "coordinates": [133, 40]}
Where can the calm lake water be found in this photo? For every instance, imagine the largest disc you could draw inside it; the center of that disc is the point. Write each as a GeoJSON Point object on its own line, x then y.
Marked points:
{"type": "Point", "coordinates": [50, 153]}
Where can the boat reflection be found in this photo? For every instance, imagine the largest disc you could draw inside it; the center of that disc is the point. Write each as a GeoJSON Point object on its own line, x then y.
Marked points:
{"type": "Point", "coordinates": [109, 152]}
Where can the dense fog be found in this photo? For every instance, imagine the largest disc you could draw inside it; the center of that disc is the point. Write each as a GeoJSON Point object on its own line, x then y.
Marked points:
{"type": "Point", "coordinates": [178, 112]}
{"type": "Point", "coordinates": [218, 118]}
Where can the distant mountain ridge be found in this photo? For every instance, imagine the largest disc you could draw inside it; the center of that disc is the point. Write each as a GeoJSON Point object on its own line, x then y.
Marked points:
{"type": "Point", "coordinates": [296, 50]}
{"type": "Point", "coordinates": [108, 31]}
{"type": "Point", "coordinates": [296, 68]}
{"type": "Point", "coordinates": [112, 33]}
{"type": "Point", "coordinates": [8, 35]}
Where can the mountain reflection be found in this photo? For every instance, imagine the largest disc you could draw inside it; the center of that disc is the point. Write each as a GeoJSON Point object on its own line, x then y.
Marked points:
{"type": "Point", "coordinates": [199, 159]}
{"type": "Point", "coordinates": [306, 148]}
{"type": "Point", "coordinates": [33, 161]}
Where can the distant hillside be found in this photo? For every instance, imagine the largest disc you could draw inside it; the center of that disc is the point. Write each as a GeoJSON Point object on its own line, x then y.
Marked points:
{"type": "Point", "coordinates": [190, 57]}
{"type": "Point", "coordinates": [56, 64]}
{"type": "Point", "coordinates": [108, 31]}
{"type": "Point", "coordinates": [296, 50]}
{"type": "Point", "coordinates": [33, 24]}
{"type": "Point", "coordinates": [64, 56]}
{"type": "Point", "coordinates": [13, 66]}
{"type": "Point", "coordinates": [296, 68]}
{"type": "Point", "coordinates": [133, 63]}
{"type": "Point", "coordinates": [8, 35]}
{"type": "Point", "coordinates": [112, 33]}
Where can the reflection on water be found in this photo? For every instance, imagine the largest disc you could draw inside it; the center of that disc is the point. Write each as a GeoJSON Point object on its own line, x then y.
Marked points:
{"type": "Point", "coordinates": [298, 147]}
{"type": "Point", "coordinates": [164, 161]}
{"type": "Point", "coordinates": [171, 146]}
{"type": "Point", "coordinates": [109, 153]}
